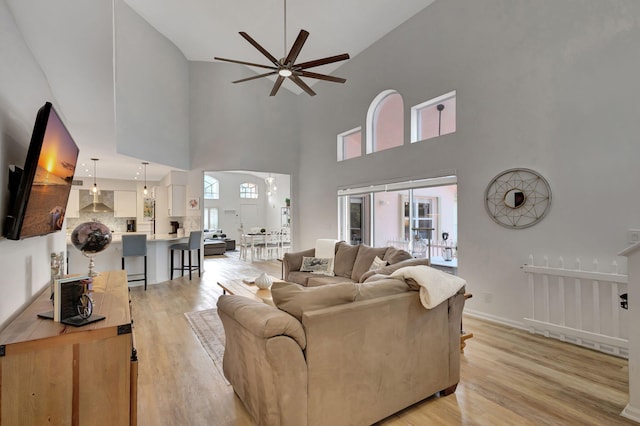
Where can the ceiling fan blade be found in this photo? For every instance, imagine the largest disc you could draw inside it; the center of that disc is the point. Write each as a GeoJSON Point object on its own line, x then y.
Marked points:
{"type": "Point", "coordinates": [255, 76]}
{"type": "Point", "coordinates": [296, 48]}
{"type": "Point", "coordinates": [277, 85]}
{"type": "Point", "coordinates": [321, 76]}
{"type": "Point", "coordinates": [262, 50]}
{"type": "Point", "coordinates": [323, 61]}
{"type": "Point", "coordinates": [246, 63]}
{"type": "Point", "coordinates": [302, 84]}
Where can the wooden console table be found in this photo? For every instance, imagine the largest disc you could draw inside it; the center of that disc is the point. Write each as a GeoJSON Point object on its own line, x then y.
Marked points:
{"type": "Point", "coordinates": [52, 373]}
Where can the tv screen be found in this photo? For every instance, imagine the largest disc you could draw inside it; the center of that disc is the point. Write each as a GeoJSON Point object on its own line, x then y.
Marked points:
{"type": "Point", "coordinates": [40, 191]}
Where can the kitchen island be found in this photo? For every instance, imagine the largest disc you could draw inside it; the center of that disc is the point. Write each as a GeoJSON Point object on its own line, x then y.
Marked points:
{"type": "Point", "coordinates": [158, 257]}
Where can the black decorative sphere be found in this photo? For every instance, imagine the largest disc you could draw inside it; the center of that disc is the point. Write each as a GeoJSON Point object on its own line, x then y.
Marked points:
{"type": "Point", "coordinates": [91, 238]}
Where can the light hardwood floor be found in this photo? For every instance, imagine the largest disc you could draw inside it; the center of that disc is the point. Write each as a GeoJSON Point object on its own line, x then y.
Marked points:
{"type": "Point", "coordinates": [509, 377]}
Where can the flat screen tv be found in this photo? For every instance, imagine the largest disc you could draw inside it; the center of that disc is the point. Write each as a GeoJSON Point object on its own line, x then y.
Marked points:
{"type": "Point", "coordinates": [39, 192]}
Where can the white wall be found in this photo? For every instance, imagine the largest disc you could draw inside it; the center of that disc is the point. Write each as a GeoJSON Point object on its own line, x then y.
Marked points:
{"type": "Point", "coordinates": [23, 90]}
{"type": "Point", "coordinates": [239, 126]}
{"type": "Point", "coordinates": [546, 85]}
{"type": "Point", "coordinates": [152, 93]}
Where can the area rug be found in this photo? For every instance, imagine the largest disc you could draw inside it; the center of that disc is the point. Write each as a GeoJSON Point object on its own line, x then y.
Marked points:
{"type": "Point", "coordinates": [207, 326]}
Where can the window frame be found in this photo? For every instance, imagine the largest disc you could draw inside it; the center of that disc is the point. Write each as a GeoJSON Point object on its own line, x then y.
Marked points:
{"type": "Point", "coordinates": [215, 195]}
{"type": "Point", "coordinates": [372, 116]}
{"type": "Point", "coordinates": [249, 194]}
{"type": "Point", "coordinates": [341, 143]}
{"type": "Point", "coordinates": [206, 217]}
{"type": "Point", "coordinates": [416, 109]}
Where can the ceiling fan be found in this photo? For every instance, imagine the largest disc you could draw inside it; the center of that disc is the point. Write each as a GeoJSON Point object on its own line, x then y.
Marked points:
{"type": "Point", "coordinates": [286, 66]}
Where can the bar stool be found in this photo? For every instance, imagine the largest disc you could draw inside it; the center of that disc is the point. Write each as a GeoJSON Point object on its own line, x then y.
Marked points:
{"type": "Point", "coordinates": [135, 245]}
{"type": "Point", "coordinates": [195, 241]}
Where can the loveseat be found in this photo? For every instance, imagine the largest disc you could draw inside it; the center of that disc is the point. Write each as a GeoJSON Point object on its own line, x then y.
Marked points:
{"type": "Point", "coordinates": [351, 263]}
{"type": "Point", "coordinates": [339, 354]}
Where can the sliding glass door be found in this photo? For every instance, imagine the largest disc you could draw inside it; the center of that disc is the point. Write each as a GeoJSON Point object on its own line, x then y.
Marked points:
{"type": "Point", "coordinates": [412, 215]}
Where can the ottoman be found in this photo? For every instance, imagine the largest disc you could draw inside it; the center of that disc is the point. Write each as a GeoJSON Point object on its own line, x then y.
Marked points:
{"type": "Point", "coordinates": [214, 247]}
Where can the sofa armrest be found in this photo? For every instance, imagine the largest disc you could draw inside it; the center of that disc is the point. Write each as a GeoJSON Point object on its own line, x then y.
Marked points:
{"type": "Point", "coordinates": [261, 320]}
{"type": "Point", "coordinates": [293, 261]}
{"type": "Point", "coordinates": [264, 360]}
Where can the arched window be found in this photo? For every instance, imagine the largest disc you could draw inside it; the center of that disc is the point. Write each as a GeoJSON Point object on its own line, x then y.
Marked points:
{"type": "Point", "coordinates": [385, 122]}
{"type": "Point", "coordinates": [248, 190]}
{"type": "Point", "coordinates": [211, 188]}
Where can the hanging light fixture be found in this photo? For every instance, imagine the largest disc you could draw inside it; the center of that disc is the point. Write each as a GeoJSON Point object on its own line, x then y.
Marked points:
{"type": "Point", "coordinates": [145, 191]}
{"type": "Point", "coordinates": [95, 185]}
{"type": "Point", "coordinates": [271, 187]}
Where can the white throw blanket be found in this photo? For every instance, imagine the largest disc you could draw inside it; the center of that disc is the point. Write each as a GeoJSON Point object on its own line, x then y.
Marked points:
{"type": "Point", "coordinates": [435, 286]}
{"type": "Point", "coordinates": [326, 249]}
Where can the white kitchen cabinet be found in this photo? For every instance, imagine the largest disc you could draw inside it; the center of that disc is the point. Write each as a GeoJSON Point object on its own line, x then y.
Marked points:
{"type": "Point", "coordinates": [73, 205]}
{"type": "Point", "coordinates": [124, 203]}
{"type": "Point", "coordinates": [177, 200]}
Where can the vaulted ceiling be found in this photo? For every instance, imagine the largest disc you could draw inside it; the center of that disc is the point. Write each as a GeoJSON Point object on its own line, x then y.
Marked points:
{"type": "Point", "coordinates": [72, 40]}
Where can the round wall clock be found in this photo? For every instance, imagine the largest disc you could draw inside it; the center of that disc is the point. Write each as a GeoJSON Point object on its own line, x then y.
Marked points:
{"type": "Point", "coordinates": [518, 198]}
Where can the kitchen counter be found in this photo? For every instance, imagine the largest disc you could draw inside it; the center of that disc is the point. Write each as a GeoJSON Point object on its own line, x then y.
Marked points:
{"type": "Point", "coordinates": [158, 257]}
{"type": "Point", "coordinates": [116, 237]}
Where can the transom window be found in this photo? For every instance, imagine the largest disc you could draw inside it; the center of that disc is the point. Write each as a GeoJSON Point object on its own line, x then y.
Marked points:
{"type": "Point", "coordinates": [211, 188]}
{"type": "Point", "coordinates": [434, 118]}
{"type": "Point", "coordinates": [350, 144]}
{"type": "Point", "coordinates": [248, 190]}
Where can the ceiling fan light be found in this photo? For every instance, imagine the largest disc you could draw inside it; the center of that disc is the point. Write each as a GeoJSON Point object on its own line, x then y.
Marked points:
{"type": "Point", "coordinates": [284, 72]}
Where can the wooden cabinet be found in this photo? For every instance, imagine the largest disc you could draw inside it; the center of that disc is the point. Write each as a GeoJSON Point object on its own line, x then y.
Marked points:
{"type": "Point", "coordinates": [177, 200]}
{"type": "Point", "coordinates": [125, 204]}
{"type": "Point", "coordinates": [51, 373]}
{"type": "Point", "coordinates": [73, 205]}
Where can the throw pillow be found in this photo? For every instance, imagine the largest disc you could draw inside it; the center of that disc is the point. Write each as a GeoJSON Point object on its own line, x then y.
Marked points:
{"type": "Point", "coordinates": [317, 265]}
{"type": "Point", "coordinates": [377, 264]}
{"type": "Point", "coordinates": [296, 299]}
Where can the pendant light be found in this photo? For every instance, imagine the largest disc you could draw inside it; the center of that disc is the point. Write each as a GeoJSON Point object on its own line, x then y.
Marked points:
{"type": "Point", "coordinates": [145, 191]}
{"type": "Point", "coordinates": [95, 185]}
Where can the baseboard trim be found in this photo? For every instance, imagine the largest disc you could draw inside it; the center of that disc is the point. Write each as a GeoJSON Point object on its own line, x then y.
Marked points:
{"type": "Point", "coordinates": [631, 413]}
{"type": "Point", "coordinates": [495, 319]}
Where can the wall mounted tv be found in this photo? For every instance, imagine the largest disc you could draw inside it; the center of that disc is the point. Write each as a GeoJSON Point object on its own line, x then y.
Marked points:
{"type": "Point", "coordinates": [39, 192]}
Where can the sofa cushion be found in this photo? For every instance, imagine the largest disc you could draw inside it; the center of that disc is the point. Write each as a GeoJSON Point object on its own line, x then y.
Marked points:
{"type": "Point", "coordinates": [364, 259]}
{"type": "Point", "coordinates": [380, 287]}
{"type": "Point", "coordinates": [345, 258]}
{"type": "Point", "coordinates": [299, 277]}
{"type": "Point", "coordinates": [394, 255]}
{"type": "Point", "coordinates": [318, 280]}
{"type": "Point", "coordinates": [296, 299]}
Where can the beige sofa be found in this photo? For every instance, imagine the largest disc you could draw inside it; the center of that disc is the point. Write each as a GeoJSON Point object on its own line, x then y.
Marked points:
{"type": "Point", "coordinates": [351, 263]}
{"type": "Point", "coordinates": [339, 354]}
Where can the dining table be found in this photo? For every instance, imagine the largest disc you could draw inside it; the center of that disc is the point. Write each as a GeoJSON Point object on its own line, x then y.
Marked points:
{"type": "Point", "coordinates": [256, 241]}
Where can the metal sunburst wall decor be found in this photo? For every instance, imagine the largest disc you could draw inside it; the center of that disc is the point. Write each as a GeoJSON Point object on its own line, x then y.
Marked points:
{"type": "Point", "coordinates": [518, 198]}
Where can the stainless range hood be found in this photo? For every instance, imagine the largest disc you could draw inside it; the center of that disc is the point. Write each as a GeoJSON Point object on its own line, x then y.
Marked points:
{"type": "Point", "coordinates": [97, 206]}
